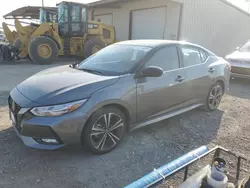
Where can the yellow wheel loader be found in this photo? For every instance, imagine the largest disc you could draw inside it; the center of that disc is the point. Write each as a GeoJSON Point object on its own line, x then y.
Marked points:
{"type": "Point", "coordinates": [72, 35]}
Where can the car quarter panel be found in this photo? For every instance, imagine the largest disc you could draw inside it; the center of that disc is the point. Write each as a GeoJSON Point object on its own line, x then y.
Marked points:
{"type": "Point", "coordinates": [222, 71]}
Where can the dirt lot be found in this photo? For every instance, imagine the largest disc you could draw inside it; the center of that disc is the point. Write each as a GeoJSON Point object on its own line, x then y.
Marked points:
{"type": "Point", "coordinates": [141, 151]}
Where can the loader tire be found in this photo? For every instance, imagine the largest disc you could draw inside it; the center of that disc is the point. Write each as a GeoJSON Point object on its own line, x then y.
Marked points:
{"type": "Point", "coordinates": [92, 45]}
{"type": "Point", "coordinates": [43, 50]}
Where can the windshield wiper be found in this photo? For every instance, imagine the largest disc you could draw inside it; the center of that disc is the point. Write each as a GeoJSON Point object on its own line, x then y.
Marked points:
{"type": "Point", "coordinates": [91, 71]}
{"type": "Point", "coordinates": [74, 65]}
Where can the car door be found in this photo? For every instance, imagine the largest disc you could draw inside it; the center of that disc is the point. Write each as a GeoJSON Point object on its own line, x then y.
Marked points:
{"type": "Point", "coordinates": [197, 71]}
{"type": "Point", "coordinates": [156, 95]}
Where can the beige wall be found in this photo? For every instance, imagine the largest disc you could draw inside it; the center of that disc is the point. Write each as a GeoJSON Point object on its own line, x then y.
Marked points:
{"type": "Point", "coordinates": [121, 16]}
{"type": "Point", "coordinates": [215, 25]}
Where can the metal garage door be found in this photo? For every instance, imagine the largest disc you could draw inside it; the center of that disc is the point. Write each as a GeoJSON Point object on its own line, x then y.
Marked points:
{"type": "Point", "coordinates": [105, 18]}
{"type": "Point", "coordinates": [148, 23]}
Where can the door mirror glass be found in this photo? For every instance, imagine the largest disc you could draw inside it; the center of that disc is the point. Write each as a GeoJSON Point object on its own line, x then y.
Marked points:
{"type": "Point", "coordinates": [151, 71]}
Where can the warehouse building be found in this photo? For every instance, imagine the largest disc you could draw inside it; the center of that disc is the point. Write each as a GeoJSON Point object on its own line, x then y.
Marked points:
{"type": "Point", "coordinates": [216, 24]}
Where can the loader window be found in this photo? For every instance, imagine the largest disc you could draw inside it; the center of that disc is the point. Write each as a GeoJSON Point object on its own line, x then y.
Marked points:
{"type": "Point", "coordinates": [63, 19]}
{"type": "Point", "coordinates": [47, 16]}
{"type": "Point", "coordinates": [42, 16]}
{"type": "Point", "coordinates": [75, 14]}
{"type": "Point", "coordinates": [72, 19]}
{"type": "Point", "coordinates": [62, 13]}
{"type": "Point", "coordinates": [84, 15]}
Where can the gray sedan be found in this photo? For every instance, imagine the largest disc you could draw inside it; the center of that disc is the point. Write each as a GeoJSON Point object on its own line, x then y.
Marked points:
{"type": "Point", "coordinates": [240, 61]}
{"type": "Point", "coordinates": [124, 86]}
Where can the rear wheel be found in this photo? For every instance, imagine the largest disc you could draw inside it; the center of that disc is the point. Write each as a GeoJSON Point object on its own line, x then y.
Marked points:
{"type": "Point", "coordinates": [43, 50]}
{"type": "Point", "coordinates": [104, 130]}
{"type": "Point", "coordinates": [92, 46]}
{"type": "Point", "coordinates": [214, 97]}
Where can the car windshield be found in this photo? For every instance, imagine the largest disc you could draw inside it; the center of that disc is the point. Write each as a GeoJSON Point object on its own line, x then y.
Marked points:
{"type": "Point", "coordinates": [115, 59]}
{"type": "Point", "coordinates": [245, 48]}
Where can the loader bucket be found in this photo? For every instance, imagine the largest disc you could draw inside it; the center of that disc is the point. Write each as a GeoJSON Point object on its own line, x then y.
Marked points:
{"type": "Point", "coordinates": [19, 27]}
{"type": "Point", "coordinates": [8, 33]}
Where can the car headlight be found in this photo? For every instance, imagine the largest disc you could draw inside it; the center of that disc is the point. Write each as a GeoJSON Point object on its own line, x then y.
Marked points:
{"type": "Point", "coordinates": [57, 110]}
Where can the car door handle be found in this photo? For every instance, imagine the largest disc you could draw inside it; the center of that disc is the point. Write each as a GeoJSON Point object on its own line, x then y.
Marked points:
{"type": "Point", "coordinates": [211, 70]}
{"type": "Point", "coordinates": [179, 79]}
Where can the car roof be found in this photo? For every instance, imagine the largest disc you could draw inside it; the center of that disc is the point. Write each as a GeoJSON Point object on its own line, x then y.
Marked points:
{"type": "Point", "coordinates": [153, 43]}
{"type": "Point", "coordinates": [158, 43]}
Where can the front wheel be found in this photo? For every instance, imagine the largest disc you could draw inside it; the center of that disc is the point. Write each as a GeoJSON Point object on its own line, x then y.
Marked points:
{"type": "Point", "coordinates": [105, 130]}
{"type": "Point", "coordinates": [214, 97]}
{"type": "Point", "coordinates": [43, 50]}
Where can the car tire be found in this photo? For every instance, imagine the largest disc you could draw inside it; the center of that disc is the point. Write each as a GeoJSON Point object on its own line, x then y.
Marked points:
{"type": "Point", "coordinates": [214, 97]}
{"type": "Point", "coordinates": [104, 130]}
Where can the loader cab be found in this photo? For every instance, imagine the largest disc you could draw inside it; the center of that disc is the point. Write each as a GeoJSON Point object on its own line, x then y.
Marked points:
{"type": "Point", "coordinates": [72, 19]}
{"type": "Point", "coordinates": [47, 16]}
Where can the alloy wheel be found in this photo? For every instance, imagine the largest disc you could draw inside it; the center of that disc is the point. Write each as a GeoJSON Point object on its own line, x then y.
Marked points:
{"type": "Point", "coordinates": [215, 97]}
{"type": "Point", "coordinates": [107, 131]}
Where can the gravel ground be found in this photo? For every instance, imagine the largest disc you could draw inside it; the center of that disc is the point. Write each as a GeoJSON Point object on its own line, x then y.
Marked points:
{"type": "Point", "coordinates": [140, 152]}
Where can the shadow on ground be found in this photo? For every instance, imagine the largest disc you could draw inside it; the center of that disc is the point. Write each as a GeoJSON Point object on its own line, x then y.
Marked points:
{"type": "Point", "coordinates": [140, 152]}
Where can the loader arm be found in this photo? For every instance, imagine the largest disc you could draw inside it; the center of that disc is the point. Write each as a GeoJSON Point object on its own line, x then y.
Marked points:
{"type": "Point", "coordinates": [47, 28]}
{"type": "Point", "coordinates": [8, 33]}
{"type": "Point", "coordinates": [23, 36]}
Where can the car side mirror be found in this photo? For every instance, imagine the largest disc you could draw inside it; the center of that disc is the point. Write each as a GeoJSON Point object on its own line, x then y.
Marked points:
{"type": "Point", "coordinates": [237, 48]}
{"type": "Point", "coordinates": [151, 71]}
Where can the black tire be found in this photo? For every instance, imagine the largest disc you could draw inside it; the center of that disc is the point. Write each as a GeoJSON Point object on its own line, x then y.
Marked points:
{"type": "Point", "coordinates": [96, 121]}
{"type": "Point", "coordinates": [220, 89]}
{"type": "Point", "coordinates": [90, 44]}
{"type": "Point", "coordinates": [33, 50]}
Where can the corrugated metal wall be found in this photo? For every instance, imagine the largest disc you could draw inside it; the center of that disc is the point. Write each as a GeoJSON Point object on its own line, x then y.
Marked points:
{"type": "Point", "coordinates": [214, 24]}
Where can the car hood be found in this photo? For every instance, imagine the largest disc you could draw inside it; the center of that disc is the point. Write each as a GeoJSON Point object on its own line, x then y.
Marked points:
{"type": "Point", "coordinates": [241, 56]}
{"type": "Point", "coordinates": [63, 84]}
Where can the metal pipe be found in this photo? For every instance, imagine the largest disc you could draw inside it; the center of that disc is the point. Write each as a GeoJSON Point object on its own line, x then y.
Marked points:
{"type": "Point", "coordinates": [158, 175]}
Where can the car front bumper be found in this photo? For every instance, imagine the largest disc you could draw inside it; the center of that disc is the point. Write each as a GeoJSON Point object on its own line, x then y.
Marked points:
{"type": "Point", "coordinates": [31, 142]}
{"type": "Point", "coordinates": [32, 130]}
{"type": "Point", "coordinates": [243, 76]}
{"type": "Point", "coordinates": [240, 70]}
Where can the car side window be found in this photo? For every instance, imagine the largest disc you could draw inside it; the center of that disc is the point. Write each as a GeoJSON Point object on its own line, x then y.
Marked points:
{"type": "Point", "coordinates": [166, 58]}
{"type": "Point", "coordinates": [191, 56]}
{"type": "Point", "coordinates": [204, 55]}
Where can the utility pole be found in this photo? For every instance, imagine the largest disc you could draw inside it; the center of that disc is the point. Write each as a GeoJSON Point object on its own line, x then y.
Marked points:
{"type": "Point", "coordinates": [42, 3]}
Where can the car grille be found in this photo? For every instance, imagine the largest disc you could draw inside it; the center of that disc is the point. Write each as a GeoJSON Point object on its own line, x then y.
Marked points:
{"type": "Point", "coordinates": [15, 108]}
